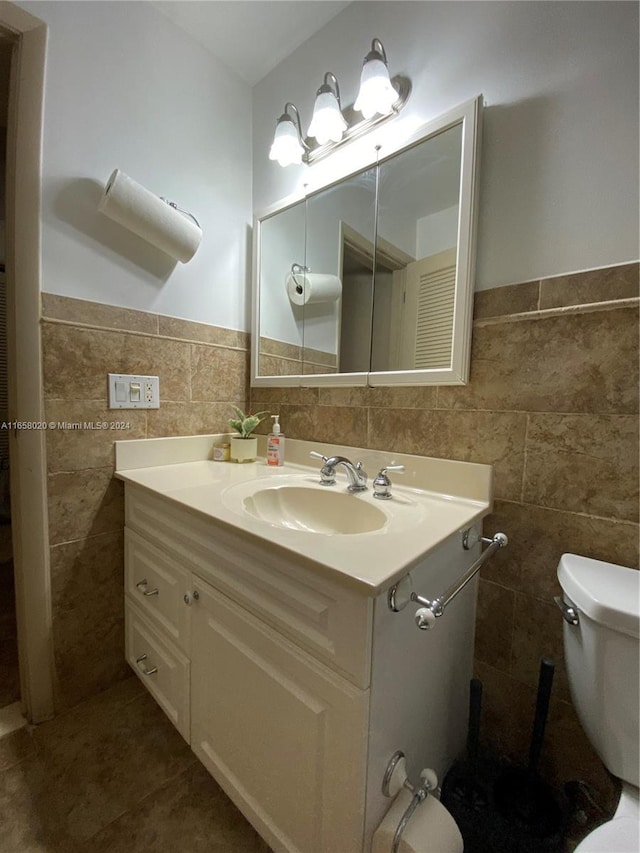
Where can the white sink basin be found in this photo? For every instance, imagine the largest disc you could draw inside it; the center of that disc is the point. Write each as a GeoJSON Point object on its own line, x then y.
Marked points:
{"type": "Point", "coordinates": [314, 510]}
{"type": "Point", "coordinates": [298, 506]}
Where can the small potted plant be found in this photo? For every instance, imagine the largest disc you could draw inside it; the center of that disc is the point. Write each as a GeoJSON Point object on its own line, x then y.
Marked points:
{"type": "Point", "coordinates": [244, 446]}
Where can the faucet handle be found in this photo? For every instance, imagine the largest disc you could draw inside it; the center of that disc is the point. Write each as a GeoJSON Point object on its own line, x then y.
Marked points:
{"type": "Point", "coordinates": [382, 484]}
{"type": "Point", "coordinates": [327, 474]}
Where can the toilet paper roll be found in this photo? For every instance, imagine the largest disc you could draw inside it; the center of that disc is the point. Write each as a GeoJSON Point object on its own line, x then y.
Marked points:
{"type": "Point", "coordinates": [431, 829]}
{"type": "Point", "coordinates": [307, 288]}
{"type": "Point", "coordinates": [148, 216]}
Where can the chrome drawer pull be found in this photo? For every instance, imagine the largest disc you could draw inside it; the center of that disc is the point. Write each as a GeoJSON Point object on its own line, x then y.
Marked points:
{"type": "Point", "coordinates": [142, 586]}
{"type": "Point", "coordinates": [142, 667]}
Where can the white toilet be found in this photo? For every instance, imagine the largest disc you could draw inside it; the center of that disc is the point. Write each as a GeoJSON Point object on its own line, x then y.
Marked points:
{"type": "Point", "coordinates": [601, 608]}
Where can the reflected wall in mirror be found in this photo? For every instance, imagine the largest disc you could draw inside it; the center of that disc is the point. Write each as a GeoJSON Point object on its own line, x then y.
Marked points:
{"type": "Point", "coordinates": [340, 329]}
{"type": "Point", "coordinates": [416, 243]}
{"type": "Point", "coordinates": [370, 280]}
{"type": "Point", "coordinates": [281, 325]}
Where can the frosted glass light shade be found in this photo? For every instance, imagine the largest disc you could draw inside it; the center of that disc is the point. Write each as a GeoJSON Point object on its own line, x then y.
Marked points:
{"type": "Point", "coordinates": [286, 147]}
{"type": "Point", "coordinates": [376, 94]}
{"type": "Point", "coordinates": [327, 123]}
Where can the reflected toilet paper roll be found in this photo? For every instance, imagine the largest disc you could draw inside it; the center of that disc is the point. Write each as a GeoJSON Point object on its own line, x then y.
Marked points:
{"type": "Point", "coordinates": [431, 828]}
{"type": "Point", "coordinates": [309, 287]}
{"type": "Point", "coordinates": [131, 205]}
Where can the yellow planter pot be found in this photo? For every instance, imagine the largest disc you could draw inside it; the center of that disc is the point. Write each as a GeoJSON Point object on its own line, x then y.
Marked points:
{"type": "Point", "coordinates": [244, 449]}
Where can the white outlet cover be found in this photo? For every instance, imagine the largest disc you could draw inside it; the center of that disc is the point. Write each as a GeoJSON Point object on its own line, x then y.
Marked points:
{"type": "Point", "coordinates": [148, 394]}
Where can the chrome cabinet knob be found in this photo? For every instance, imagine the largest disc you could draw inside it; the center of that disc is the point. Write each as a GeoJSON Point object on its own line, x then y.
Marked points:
{"type": "Point", "coordinates": [188, 597]}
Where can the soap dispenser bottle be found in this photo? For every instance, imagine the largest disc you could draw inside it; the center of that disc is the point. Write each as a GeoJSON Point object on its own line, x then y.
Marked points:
{"type": "Point", "coordinates": [275, 443]}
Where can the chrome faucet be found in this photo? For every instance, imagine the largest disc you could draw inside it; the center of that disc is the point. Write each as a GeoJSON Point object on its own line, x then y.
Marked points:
{"type": "Point", "coordinates": [355, 475]}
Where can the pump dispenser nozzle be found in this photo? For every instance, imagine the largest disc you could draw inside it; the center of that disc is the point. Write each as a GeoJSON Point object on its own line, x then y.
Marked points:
{"type": "Point", "coordinates": [276, 424]}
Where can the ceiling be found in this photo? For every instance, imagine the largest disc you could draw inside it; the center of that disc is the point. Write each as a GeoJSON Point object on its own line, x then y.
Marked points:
{"type": "Point", "coordinates": [250, 36]}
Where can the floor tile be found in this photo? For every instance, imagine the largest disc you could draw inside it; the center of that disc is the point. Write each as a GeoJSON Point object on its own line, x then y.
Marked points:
{"type": "Point", "coordinates": [99, 762]}
{"type": "Point", "coordinates": [189, 814]}
{"type": "Point", "coordinates": [113, 776]}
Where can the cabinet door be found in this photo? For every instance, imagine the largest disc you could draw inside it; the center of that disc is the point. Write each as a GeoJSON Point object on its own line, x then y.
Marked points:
{"type": "Point", "coordinates": [282, 734]}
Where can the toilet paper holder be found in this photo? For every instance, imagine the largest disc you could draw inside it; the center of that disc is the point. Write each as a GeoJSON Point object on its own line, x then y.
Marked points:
{"type": "Point", "coordinates": [430, 609]}
{"type": "Point", "coordinates": [299, 269]}
{"type": "Point", "coordinates": [180, 210]}
{"type": "Point", "coordinates": [394, 779]}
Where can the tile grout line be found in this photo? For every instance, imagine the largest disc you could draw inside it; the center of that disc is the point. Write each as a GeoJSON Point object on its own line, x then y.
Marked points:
{"type": "Point", "coordinates": [142, 334]}
{"type": "Point", "coordinates": [608, 518]}
{"type": "Point", "coordinates": [115, 531]}
{"type": "Point", "coordinates": [525, 456]}
{"type": "Point", "coordinates": [559, 311]}
{"type": "Point", "coordinates": [136, 805]}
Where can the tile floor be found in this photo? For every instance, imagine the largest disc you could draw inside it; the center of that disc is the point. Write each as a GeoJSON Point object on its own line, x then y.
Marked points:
{"type": "Point", "coordinates": [112, 775]}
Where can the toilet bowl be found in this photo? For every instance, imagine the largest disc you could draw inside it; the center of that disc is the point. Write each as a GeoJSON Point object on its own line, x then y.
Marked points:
{"type": "Point", "coordinates": [621, 834]}
{"type": "Point", "coordinates": [601, 608]}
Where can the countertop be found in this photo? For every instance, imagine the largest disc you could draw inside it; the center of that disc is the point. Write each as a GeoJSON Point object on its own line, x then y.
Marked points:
{"type": "Point", "coordinates": [418, 518]}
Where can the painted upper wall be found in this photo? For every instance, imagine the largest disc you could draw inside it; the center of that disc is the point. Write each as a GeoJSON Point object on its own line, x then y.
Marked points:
{"type": "Point", "coordinates": [127, 89]}
{"type": "Point", "coordinates": [559, 166]}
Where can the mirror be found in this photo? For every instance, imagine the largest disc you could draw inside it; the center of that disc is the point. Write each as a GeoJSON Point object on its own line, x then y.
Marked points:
{"type": "Point", "coordinates": [370, 280]}
{"type": "Point", "coordinates": [337, 317]}
{"type": "Point", "coordinates": [281, 324]}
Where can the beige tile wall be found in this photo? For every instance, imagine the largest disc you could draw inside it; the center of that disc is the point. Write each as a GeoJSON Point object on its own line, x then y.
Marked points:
{"type": "Point", "coordinates": [281, 359]}
{"type": "Point", "coordinates": [552, 404]}
{"type": "Point", "coordinates": [202, 370]}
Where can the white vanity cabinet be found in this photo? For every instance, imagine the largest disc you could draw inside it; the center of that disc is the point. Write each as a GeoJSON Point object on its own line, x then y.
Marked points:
{"type": "Point", "coordinates": [262, 666]}
{"type": "Point", "coordinates": [283, 733]}
{"type": "Point", "coordinates": [293, 686]}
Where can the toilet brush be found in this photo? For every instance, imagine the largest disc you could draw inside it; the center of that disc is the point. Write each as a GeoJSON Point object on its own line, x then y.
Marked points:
{"type": "Point", "coordinates": [462, 783]}
{"type": "Point", "coordinates": [520, 794]}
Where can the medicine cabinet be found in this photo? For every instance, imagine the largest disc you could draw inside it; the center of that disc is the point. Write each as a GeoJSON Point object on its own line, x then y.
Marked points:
{"type": "Point", "coordinates": [370, 280]}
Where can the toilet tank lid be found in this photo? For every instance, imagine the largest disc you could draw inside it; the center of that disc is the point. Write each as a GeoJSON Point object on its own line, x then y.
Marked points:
{"type": "Point", "coordinates": [607, 593]}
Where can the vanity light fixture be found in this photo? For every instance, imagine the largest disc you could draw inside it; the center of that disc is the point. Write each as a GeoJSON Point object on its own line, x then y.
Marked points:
{"type": "Point", "coordinates": [376, 94]}
{"type": "Point", "coordinates": [380, 98]}
{"type": "Point", "coordinates": [328, 123]}
{"type": "Point", "coordinates": [288, 146]}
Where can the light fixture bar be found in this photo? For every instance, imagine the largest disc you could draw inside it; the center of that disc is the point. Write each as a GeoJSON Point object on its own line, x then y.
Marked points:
{"type": "Point", "coordinates": [315, 152]}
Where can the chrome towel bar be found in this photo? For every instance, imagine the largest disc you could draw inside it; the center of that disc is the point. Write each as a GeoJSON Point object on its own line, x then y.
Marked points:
{"type": "Point", "coordinates": [430, 609]}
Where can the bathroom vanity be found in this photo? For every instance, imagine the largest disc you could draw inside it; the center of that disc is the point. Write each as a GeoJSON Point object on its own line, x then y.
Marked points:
{"type": "Point", "coordinates": [272, 647]}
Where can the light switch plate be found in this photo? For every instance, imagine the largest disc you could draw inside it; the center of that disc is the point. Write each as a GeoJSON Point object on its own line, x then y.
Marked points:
{"type": "Point", "coordinates": [133, 392]}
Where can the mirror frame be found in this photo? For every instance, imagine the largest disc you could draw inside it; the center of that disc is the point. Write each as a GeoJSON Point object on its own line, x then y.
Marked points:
{"type": "Point", "coordinates": [469, 115]}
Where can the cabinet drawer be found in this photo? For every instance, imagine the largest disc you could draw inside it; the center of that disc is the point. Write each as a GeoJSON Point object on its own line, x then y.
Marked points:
{"type": "Point", "coordinates": [283, 734]}
{"type": "Point", "coordinates": [328, 618]}
{"type": "Point", "coordinates": [157, 584]}
{"type": "Point", "coordinates": [161, 667]}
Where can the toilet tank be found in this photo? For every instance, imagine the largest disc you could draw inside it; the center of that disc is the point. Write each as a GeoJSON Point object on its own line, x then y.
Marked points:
{"type": "Point", "coordinates": [602, 654]}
